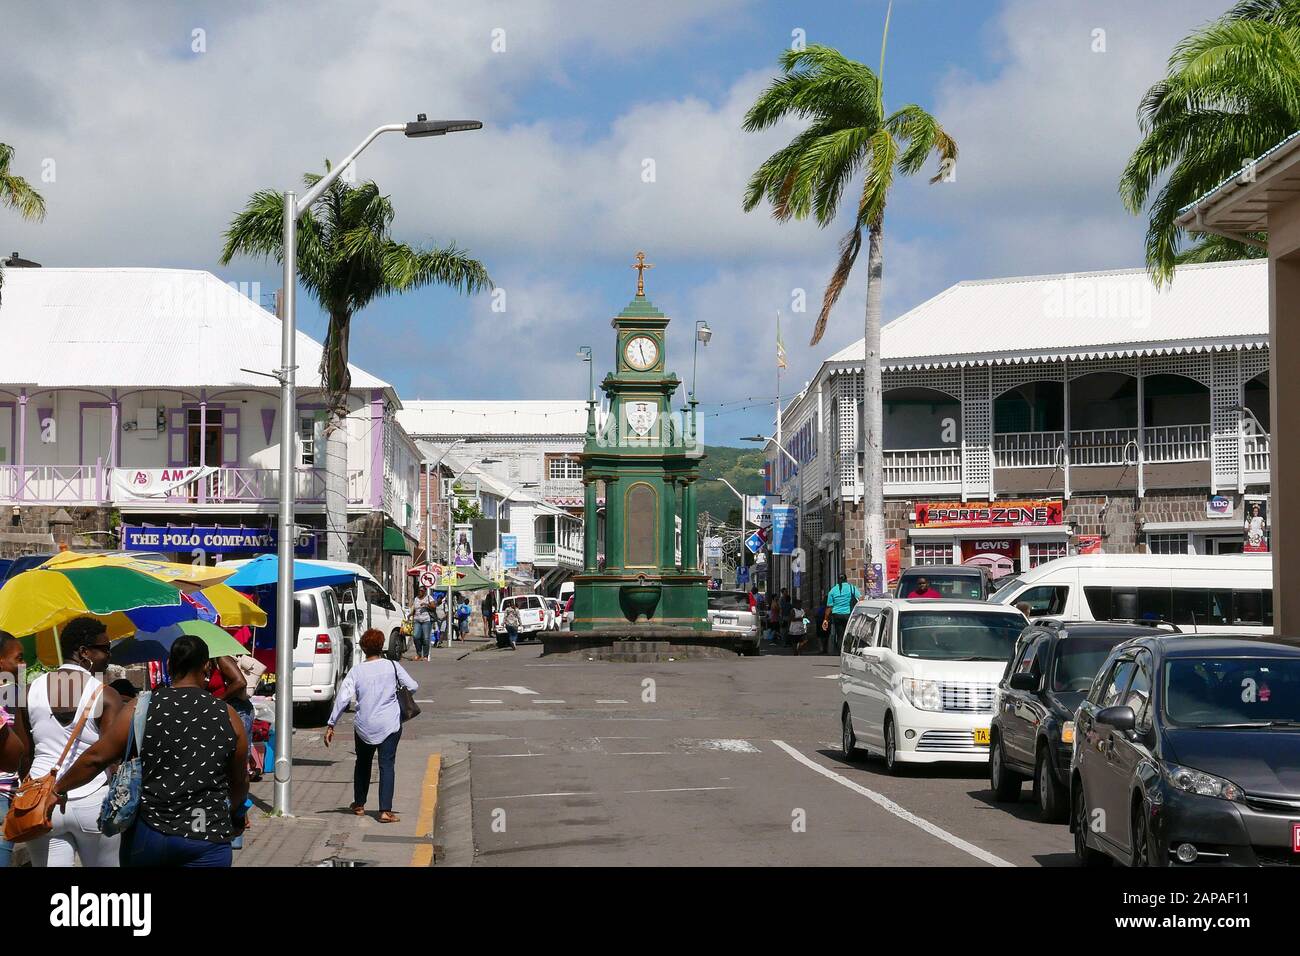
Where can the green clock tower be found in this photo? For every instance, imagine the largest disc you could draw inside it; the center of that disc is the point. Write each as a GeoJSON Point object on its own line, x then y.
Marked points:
{"type": "Point", "coordinates": [647, 457]}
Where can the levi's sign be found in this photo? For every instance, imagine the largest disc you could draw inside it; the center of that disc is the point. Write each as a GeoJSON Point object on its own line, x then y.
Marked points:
{"type": "Point", "coordinates": [940, 514]}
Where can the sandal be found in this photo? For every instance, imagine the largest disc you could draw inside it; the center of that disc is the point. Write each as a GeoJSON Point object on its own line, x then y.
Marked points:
{"type": "Point", "coordinates": [358, 808]}
{"type": "Point", "coordinates": [389, 817]}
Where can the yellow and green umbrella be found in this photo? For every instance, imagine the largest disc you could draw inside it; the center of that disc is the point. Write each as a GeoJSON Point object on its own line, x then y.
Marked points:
{"type": "Point", "coordinates": [156, 645]}
{"type": "Point", "coordinates": [36, 603]}
{"type": "Point", "coordinates": [185, 576]}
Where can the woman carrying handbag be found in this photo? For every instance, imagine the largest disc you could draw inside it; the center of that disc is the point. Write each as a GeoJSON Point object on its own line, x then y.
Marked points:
{"type": "Point", "coordinates": [384, 695]}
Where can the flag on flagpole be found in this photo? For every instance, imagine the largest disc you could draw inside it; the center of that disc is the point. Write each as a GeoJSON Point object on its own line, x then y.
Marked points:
{"type": "Point", "coordinates": [780, 345]}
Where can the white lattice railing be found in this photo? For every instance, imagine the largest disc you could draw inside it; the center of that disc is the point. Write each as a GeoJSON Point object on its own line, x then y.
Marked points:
{"type": "Point", "coordinates": [1104, 446]}
{"type": "Point", "coordinates": [78, 484]}
{"type": "Point", "coordinates": [1166, 443]}
{"type": "Point", "coordinates": [922, 466]}
{"type": "Point", "coordinates": [1255, 454]}
{"type": "Point", "coordinates": [1028, 449]}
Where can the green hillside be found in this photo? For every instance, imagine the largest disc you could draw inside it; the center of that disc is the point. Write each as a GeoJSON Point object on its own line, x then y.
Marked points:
{"type": "Point", "coordinates": [743, 467]}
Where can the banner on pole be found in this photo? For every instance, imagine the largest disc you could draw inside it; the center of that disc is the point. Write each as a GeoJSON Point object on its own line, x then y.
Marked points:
{"type": "Point", "coordinates": [785, 529]}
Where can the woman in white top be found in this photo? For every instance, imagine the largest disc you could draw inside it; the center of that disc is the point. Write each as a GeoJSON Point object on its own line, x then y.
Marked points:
{"type": "Point", "coordinates": [377, 727]}
{"type": "Point", "coordinates": [55, 703]}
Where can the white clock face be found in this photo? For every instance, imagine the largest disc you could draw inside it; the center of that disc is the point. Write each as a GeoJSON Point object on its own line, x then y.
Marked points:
{"type": "Point", "coordinates": [641, 352]}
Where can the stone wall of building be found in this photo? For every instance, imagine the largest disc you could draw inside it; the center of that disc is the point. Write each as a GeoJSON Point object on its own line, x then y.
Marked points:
{"type": "Point", "coordinates": [37, 529]}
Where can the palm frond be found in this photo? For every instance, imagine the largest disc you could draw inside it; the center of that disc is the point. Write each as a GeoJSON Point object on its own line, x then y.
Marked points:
{"type": "Point", "coordinates": [1212, 248]}
{"type": "Point", "coordinates": [850, 245]}
{"type": "Point", "coordinates": [16, 192]}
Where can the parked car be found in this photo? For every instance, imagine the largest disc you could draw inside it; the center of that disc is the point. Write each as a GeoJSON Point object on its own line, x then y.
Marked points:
{"type": "Point", "coordinates": [1203, 594]}
{"type": "Point", "coordinates": [729, 611]}
{"type": "Point", "coordinates": [918, 678]}
{"type": "Point", "coordinates": [1187, 752]}
{"type": "Point", "coordinates": [534, 615]}
{"type": "Point", "coordinates": [963, 582]}
{"type": "Point", "coordinates": [321, 654]}
{"type": "Point", "coordinates": [1032, 733]}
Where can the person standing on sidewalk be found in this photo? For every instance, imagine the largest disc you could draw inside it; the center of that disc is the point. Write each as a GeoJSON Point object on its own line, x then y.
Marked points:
{"type": "Point", "coordinates": [194, 768]}
{"type": "Point", "coordinates": [488, 607]}
{"type": "Point", "coordinates": [378, 725]}
{"type": "Point", "coordinates": [839, 605]}
{"type": "Point", "coordinates": [56, 703]}
{"type": "Point", "coordinates": [15, 745]}
{"type": "Point", "coordinates": [422, 622]}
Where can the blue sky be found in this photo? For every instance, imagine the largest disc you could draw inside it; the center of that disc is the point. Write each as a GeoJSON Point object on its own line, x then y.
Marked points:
{"type": "Point", "coordinates": [162, 120]}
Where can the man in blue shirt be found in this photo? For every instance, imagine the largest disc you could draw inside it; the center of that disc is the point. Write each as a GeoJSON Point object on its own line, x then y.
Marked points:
{"type": "Point", "coordinates": [839, 605]}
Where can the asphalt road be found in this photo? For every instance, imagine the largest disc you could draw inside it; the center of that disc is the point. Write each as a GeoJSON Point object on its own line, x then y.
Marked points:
{"type": "Point", "coordinates": [719, 762]}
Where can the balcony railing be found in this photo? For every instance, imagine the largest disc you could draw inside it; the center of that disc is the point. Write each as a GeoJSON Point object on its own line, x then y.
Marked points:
{"type": "Point", "coordinates": [62, 484]}
{"type": "Point", "coordinates": [923, 466]}
{"type": "Point", "coordinates": [1255, 457]}
{"type": "Point", "coordinates": [1104, 446]}
{"type": "Point", "coordinates": [1028, 449]}
{"type": "Point", "coordinates": [1166, 443]}
{"type": "Point", "coordinates": [550, 554]}
{"type": "Point", "coordinates": [92, 484]}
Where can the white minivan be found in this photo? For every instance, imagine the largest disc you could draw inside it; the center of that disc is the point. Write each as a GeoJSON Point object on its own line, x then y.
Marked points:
{"type": "Point", "coordinates": [919, 677]}
{"type": "Point", "coordinates": [534, 615]}
{"type": "Point", "coordinates": [1203, 594]}
{"type": "Point", "coordinates": [365, 604]}
{"type": "Point", "coordinates": [321, 653]}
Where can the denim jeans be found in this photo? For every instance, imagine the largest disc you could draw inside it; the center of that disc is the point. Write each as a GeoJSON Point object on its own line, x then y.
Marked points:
{"type": "Point", "coordinates": [387, 749]}
{"type": "Point", "coordinates": [420, 636]}
{"type": "Point", "coordinates": [244, 708]}
{"type": "Point", "coordinates": [142, 845]}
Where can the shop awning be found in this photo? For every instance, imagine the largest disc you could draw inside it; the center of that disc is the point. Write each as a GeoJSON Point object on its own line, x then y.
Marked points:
{"type": "Point", "coordinates": [395, 541]}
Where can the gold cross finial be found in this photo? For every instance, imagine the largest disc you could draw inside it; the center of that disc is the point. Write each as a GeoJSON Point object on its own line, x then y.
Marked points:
{"type": "Point", "coordinates": [640, 267]}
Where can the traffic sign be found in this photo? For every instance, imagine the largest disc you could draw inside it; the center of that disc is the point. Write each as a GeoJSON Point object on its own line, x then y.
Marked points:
{"type": "Point", "coordinates": [428, 579]}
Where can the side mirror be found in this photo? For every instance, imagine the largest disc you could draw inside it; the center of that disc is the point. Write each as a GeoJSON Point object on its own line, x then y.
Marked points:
{"type": "Point", "coordinates": [1028, 682]}
{"type": "Point", "coordinates": [1120, 718]}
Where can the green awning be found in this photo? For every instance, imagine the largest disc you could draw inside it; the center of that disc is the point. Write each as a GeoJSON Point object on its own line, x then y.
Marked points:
{"type": "Point", "coordinates": [472, 579]}
{"type": "Point", "coordinates": [395, 541]}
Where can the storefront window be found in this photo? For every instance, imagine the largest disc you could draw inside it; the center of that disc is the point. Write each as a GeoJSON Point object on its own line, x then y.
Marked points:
{"type": "Point", "coordinates": [929, 554]}
{"type": "Point", "coordinates": [1167, 543]}
{"type": "Point", "coordinates": [1040, 552]}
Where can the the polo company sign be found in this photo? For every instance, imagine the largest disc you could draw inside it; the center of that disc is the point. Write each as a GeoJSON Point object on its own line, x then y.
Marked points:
{"type": "Point", "coordinates": [211, 539]}
{"type": "Point", "coordinates": [975, 514]}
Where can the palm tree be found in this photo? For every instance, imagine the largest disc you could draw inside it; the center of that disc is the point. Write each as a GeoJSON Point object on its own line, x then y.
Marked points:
{"type": "Point", "coordinates": [849, 134]}
{"type": "Point", "coordinates": [18, 194]}
{"type": "Point", "coordinates": [1232, 91]}
{"type": "Point", "coordinates": [347, 258]}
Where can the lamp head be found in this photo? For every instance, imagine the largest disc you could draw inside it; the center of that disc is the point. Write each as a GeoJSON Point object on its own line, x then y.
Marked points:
{"type": "Point", "coordinates": [702, 332]}
{"type": "Point", "coordinates": [423, 126]}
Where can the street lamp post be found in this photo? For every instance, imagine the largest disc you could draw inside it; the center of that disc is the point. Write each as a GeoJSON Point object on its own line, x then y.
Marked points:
{"type": "Point", "coordinates": [702, 335]}
{"type": "Point", "coordinates": [293, 211]}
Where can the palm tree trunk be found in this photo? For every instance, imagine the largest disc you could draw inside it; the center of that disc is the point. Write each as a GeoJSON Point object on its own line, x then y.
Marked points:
{"type": "Point", "coordinates": [872, 416]}
{"type": "Point", "coordinates": [338, 383]}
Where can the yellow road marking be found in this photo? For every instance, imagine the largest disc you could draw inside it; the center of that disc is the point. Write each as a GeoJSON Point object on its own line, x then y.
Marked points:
{"type": "Point", "coordinates": [423, 855]}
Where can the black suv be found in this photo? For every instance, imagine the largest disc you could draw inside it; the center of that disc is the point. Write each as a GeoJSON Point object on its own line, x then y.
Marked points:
{"type": "Point", "coordinates": [1032, 732]}
{"type": "Point", "coordinates": [1187, 751]}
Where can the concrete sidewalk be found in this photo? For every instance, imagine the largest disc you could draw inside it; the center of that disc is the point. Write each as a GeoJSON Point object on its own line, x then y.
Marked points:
{"type": "Point", "coordinates": [324, 832]}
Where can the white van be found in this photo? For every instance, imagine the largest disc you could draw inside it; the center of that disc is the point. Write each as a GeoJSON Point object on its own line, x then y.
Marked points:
{"type": "Point", "coordinates": [919, 677]}
{"type": "Point", "coordinates": [1203, 594]}
{"type": "Point", "coordinates": [365, 604]}
{"type": "Point", "coordinates": [321, 654]}
{"type": "Point", "coordinates": [534, 615]}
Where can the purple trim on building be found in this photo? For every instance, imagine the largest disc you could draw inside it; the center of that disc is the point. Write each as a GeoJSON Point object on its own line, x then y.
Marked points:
{"type": "Point", "coordinates": [101, 460]}
{"type": "Point", "coordinates": [268, 423]}
{"type": "Point", "coordinates": [376, 449]}
{"type": "Point", "coordinates": [22, 445]}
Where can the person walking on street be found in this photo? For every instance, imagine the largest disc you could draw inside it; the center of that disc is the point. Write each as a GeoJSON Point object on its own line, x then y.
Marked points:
{"type": "Point", "coordinates": [57, 702]}
{"type": "Point", "coordinates": [378, 725]}
{"type": "Point", "coordinates": [839, 605]}
{"type": "Point", "coordinates": [798, 626]}
{"type": "Point", "coordinates": [194, 768]}
{"type": "Point", "coordinates": [785, 610]}
{"type": "Point", "coordinates": [512, 625]}
{"type": "Point", "coordinates": [488, 609]}
{"type": "Point", "coordinates": [421, 622]}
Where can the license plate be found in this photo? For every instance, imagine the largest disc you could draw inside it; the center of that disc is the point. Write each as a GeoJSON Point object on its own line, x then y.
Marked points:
{"type": "Point", "coordinates": [981, 735]}
{"type": "Point", "coordinates": [1295, 838]}
{"type": "Point", "coordinates": [726, 619]}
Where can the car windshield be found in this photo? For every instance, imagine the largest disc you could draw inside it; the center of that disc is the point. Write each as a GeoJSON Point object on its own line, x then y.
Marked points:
{"type": "Point", "coordinates": [945, 585]}
{"type": "Point", "coordinates": [959, 635]}
{"type": "Point", "coordinates": [1005, 589]}
{"type": "Point", "coordinates": [728, 601]}
{"type": "Point", "coordinates": [1078, 659]}
{"type": "Point", "coordinates": [1232, 691]}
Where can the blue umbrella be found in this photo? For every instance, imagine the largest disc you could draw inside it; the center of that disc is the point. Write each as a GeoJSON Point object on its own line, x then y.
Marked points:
{"type": "Point", "coordinates": [264, 571]}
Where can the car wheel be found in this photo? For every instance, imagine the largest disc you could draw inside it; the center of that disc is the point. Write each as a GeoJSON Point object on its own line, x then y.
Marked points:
{"type": "Point", "coordinates": [1142, 853]}
{"type": "Point", "coordinates": [848, 739]}
{"type": "Point", "coordinates": [1005, 783]}
{"type": "Point", "coordinates": [1051, 795]}
{"type": "Point", "coordinates": [396, 646]}
{"type": "Point", "coordinates": [1085, 854]}
{"type": "Point", "coordinates": [891, 747]}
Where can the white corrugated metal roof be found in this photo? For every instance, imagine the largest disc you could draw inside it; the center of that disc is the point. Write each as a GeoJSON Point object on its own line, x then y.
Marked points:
{"type": "Point", "coordinates": [494, 418]}
{"type": "Point", "coordinates": [150, 328]}
{"type": "Point", "coordinates": [1079, 315]}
